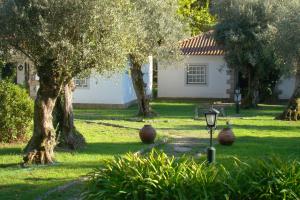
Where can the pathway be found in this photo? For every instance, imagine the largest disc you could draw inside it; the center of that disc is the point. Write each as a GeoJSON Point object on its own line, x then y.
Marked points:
{"type": "Point", "coordinates": [179, 145]}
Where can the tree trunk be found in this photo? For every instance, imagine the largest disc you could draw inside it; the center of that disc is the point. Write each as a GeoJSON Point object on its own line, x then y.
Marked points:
{"type": "Point", "coordinates": [139, 87]}
{"type": "Point", "coordinates": [251, 100]}
{"type": "Point", "coordinates": [40, 148]}
{"type": "Point", "coordinates": [66, 133]}
{"type": "Point", "coordinates": [292, 111]}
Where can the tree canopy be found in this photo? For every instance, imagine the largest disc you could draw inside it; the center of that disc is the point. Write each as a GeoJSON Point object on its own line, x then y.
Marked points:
{"type": "Point", "coordinates": [247, 30]}
{"type": "Point", "coordinates": [76, 34]}
{"type": "Point", "coordinates": [197, 14]}
{"type": "Point", "coordinates": [288, 35]}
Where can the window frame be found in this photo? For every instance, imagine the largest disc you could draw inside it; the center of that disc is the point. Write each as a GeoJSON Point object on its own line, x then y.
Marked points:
{"type": "Point", "coordinates": [81, 86]}
{"type": "Point", "coordinates": [201, 65]}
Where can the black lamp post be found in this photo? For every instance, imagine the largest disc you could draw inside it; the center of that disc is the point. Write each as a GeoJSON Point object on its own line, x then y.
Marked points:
{"type": "Point", "coordinates": [237, 99]}
{"type": "Point", "coordinates": [211, 120]}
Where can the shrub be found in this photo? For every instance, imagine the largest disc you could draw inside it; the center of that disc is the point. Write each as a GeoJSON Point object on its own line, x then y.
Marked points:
{"type": "Point", "coordinates": [16, 112]}
{"type": "Point", "coordinates": [152, 177]}
{"type": "Point", "coordinates": [265, 179]}
{"type": "Point", "coordinates": [159, 177]}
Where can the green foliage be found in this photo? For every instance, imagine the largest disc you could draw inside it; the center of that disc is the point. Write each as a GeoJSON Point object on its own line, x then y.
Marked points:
{"type": "Point", "coordinates": [75, 35]}
{"type": "Point", "coordinates": [264, 179]}
{"type": "Point", "coordinates": [288, 34]}
{"type": "Point", "coordinates": [152, 177]}
{"type": "Point", "coordinates": [2, 64]}
{"type": "Point", "coordinates": [16, 112]}
{"type": "Point", "coordinates": [154, 29]}
{"type": "Point", "coordinates": [8, 71]}
{"type": "Point", "coordinates": [197, 14]}
{"type": "Point", "coordinates": [157, 176]}
{"type": "Point", "coordinates": [247, 30]}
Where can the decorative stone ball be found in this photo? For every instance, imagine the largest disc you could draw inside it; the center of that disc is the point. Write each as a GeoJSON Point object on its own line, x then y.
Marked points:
{"type": "Point", "coordinates": [226, 137]}
{"type": "Point", "coordinates": [147, 134]}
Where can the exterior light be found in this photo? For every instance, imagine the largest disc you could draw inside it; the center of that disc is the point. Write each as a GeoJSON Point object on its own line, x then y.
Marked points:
{"type": "Point", "coordinates": [211, 118]}
{"type": "Point", "coordinates": [211, 121]}
{"type": "Point", "coordinates": [237, 99]}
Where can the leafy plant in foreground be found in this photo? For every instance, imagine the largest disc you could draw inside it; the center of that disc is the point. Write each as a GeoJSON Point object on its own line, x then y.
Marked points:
{"type": "Point", "coordinates": [157, 176]}
{"type": "Point", "coordinates": [151, 177]}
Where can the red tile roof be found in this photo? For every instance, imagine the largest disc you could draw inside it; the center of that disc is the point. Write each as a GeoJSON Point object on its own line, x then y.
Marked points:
{"type": "Point", "coordinates": [203, 44]}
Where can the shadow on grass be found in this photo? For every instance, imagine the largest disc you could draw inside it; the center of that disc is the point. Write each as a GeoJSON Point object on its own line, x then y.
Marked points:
{"type": "Point", "coordinates": [246, 148]}
{"type": "Point", "coordinates": [249, 127]}
{"type": "Point", "coordinates": [169, 110]}
{"type": "Point", "coordinates": [184, 127]}
{"type": "Point", "coordinates": [172, 110]}
{"type": "Point", "coordinates": [262, 110]}
{"type": "Point", "coordinates": [9, 151]}
{"type": "Point", "coordinates": [28, 191]}
{"type": "Point", "coordinates": [272, 128]}
{"type": "Point", "coordinates": [112, 148]}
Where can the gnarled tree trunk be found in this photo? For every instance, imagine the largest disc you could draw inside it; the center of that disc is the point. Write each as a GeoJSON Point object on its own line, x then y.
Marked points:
{"type": "Point", "coordinates": [252, 97]}
{"type": "Point", "coordinates": [40, 148]}
{"type": "Point", "coordinates": [66, 133]}
{"type": "Point", "coordinates": [140, 91]}
{"type": "Point", "coordinates": [292, 111]}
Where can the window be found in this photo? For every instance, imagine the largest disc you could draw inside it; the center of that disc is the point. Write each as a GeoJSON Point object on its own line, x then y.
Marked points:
{"type": "Point", "coordinates": [197, 74]}
{"type": "Point", "coordinates": [81, 82]}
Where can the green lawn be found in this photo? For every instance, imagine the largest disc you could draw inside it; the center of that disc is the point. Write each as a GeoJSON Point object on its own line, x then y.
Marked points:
{"type": "Point", "coordinates": [258, 136]}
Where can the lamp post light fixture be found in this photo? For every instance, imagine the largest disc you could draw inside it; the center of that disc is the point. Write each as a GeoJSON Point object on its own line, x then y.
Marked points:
{"type": "Point", "coordinates": [237, 99]}
{"type": "Point", "coordinates": [211, 122]}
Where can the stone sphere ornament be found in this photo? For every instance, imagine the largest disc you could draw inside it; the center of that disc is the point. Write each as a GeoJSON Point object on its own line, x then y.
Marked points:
{"type": "Point", "coordinates": [147, 134]}
{"type": "Point", "coordinates": [226, 136]}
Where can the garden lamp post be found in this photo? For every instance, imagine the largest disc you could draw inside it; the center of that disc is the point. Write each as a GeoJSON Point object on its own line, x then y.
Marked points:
{"type": "Point", "coordinates": [237, 99]}
{"type": "Point", "coordinates": [211, 119]}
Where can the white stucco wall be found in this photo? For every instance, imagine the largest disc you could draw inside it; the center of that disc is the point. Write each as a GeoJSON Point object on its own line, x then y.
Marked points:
{"type": "Point", "coordinates": [147, 70]}
{"type": "Point", "coordinates": [101, 90]}
{"type": "Point", "coordinates": [286, 87]}
{"type": "Point", "coordinates": [115, 89]}
{"type": "Point", "coordinates": [21, 76]}
{"type": "Point", "coordinates": [172, 79]}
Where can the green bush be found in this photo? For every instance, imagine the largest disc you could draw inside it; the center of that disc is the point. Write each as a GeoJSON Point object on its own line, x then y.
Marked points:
{"type": "Point", "coordinates": [265, 179]}
{"type": "Point", "coordinates": [159, 177]}
{"type": "Point", "coordinates": [16, 112]}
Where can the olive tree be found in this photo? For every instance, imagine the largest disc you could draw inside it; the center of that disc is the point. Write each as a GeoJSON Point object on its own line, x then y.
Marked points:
{"type": "Point", "coordinates": [155, 30]}
{"type": "Point", "coordinates": [66, 132]}
{"type": "Point", "coordinates": [288, 48]}
{"type": "Point", "coordinates": [247, 30]}
{"type": "Point", "coordinates": [62, 38]}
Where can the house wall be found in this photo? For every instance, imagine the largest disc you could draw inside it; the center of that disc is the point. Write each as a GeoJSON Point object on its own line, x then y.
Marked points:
{"type": "Point", "coordinates": [113, 90]}
{"type": "Point", "coordinates": [172, 79]}
{"type": "Point", "coordinates": [101, 90]}
{"type": "Point", "coordinates": [286, 87]}
{"type": "Point", "coordinates": [147, 70]}
{"type": "Point", "coordinates": [26, 67]}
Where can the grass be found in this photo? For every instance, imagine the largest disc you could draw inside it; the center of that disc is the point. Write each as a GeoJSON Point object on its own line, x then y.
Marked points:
{"type": "Point", "coordinates": [258, 135]}
{"type": "Point", "coordinates": [103, 143]}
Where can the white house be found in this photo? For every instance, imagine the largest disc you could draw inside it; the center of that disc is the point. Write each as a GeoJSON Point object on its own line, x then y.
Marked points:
{"type": "Point", "coordinates": [94, 91]}
{"type": "Point", "coordinates": [203, 73]}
